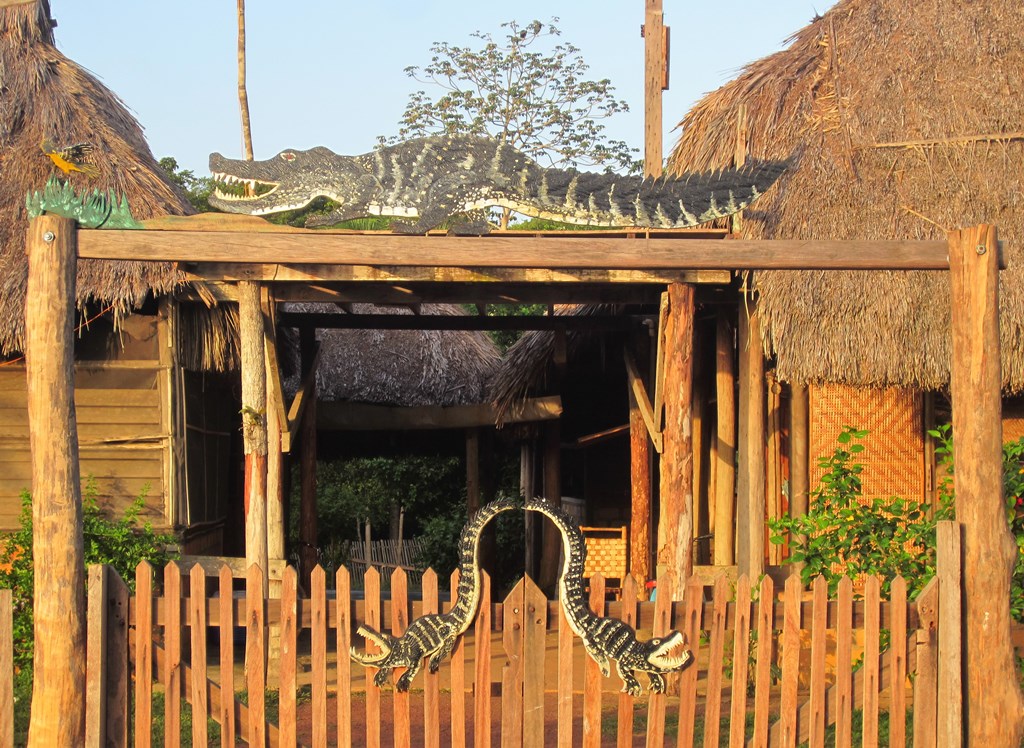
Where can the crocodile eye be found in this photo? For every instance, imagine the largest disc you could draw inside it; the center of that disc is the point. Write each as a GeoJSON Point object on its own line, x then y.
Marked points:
{"type": "Point", "coordinates": [288, 156]}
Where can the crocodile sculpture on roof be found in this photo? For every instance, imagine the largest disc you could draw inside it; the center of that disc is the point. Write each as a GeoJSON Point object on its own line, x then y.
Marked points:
{"type": "Point", "coordinates": [608, 638]}
{"type": "Point", "coordinates": [434, 634]}
{"type": "Point", "coordinates": [429, 180]}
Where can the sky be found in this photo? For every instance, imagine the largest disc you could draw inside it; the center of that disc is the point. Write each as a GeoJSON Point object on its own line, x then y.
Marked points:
{"type": "Point", "coordinates": [332, 72]}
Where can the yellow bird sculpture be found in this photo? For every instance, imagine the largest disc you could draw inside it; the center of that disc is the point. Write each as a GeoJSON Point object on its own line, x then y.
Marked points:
{"type": "Point", "coordinates": [72, 158]}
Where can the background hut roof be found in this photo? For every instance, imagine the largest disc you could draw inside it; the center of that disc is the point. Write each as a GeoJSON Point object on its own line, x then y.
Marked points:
{"type": "Point", "coordinates": [906, 119]}
{"type": "Point", "coordinates": [46, 95]}
{"type": "Point", "coordinates": [402, 367]}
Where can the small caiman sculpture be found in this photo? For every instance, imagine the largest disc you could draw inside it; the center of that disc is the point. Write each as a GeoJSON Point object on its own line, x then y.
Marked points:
{"type": "Point", "coordinates": [608, 638]}
{"type": "Point", "coordinates": [433, 179]}
{"type": "Point", "coordinates": [434, 634]}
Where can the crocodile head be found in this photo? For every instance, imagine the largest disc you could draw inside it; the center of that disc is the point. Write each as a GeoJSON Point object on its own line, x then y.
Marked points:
{"type": "Point", "coordinates": [288, 181]}
{"type": "Point", "coordinates": [658, 653]}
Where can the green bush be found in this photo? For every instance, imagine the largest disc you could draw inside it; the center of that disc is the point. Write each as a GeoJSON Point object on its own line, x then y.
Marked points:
{"type": "Point", "coordinates": [119, 542]}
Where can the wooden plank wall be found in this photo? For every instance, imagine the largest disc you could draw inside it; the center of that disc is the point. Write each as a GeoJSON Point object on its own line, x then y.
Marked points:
{"type": "Point", "coordinates": [121, 440]}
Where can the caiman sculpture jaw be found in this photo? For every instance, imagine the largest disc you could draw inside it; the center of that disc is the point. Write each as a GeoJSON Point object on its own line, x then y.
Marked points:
{"type": "Point", "coordinates": [661, 658]}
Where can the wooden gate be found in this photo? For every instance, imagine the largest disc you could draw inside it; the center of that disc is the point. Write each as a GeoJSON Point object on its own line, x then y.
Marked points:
{"type": "Point", "coordinates": [519, 677]}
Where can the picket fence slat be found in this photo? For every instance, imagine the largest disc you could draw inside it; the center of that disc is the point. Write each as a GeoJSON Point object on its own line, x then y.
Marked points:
{"type": "Point", "coordinates": [143, 655]}
{"type": "Point", "coordinates": [741, 664]}
{"type": "Point", "coordinates": [816, 728]}
{"type": "Point", "coordinates": [226, 583]}
{"type": "Point", "coordinates": [200, 698]}
{"type": "Point", "coordinates": [535, 606]}
{"type": "Point", "coordinates": [289, 642]}
{"type": "Point", "coordinates": [255, 653]}
{"type": "Point", "coordinates": [458, 679]}
{"type": "Point", "coordinates": [482, 681]}
{"type": "Point", "coordinates": [897, 683]}
{"type": "Point", "coordinates": [6, 670]}
{"type": "Point", "coordinates": [431, 681]}
{"type": "Point", "coordinates": [872, 630]}
{"type": "Point", "coordinates": [656, 703]}
{"type": "Point", "coordinates": [690, 626]}
{"type": "Point", "coordinates": [713, 698]}
{"type": "Point", "coordinates": [844, 665]}
{"type": "Point", "coordinates": [790, 662]}
{"type": "Point", "coordinates": [512, 672]}
{"type": "Point", "coordinates": [399, 623]}
{"type": "Point", "coordinates": [624, 734]}
{"type": "Point", "coordinates": [566, 642]}
{"type": "Point", "coordinates": [371, 586]}
{"type": "Point", "coordinates": [343, 586]}
{"type": "Point", "coordinates": [592, 678]}
{"type": "Point", "coordinates": [763, 668]}
{"type": "Point", "coordinates": [318, 654]}
{"type": "Point", "coordinates": [172, 661]}
{"type": "Point", "coordinates": [926, 684]}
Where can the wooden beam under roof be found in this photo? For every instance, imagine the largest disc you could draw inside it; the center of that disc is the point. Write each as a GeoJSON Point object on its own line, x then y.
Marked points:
{"type": "Point", "coordinates": [575, 251]}
{"type": "Point", "coordinates": [348, 416]}
{"type": "Point", "coordinates": [334, 321]}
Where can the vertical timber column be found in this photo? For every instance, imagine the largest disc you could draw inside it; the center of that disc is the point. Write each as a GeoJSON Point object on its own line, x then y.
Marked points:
{"type": "Point", "coordinates": [750, 499]}
{"type": "Point", "coordinates": [254, 424]}
{"type": "Point", "coordinates": [58, 690]}
{"type": "Point", "coordinates": [654, 83]}
{"type": "Point", "coordinates": [640, 500]}
{"type": "Point", "coordinates": [675, 519]}
{"type": "Point", "coordinates": [992, 714]}
{"type": "Point", "coordinates": [725, 463]}
{"type": "Point", "coordinates": [799, 465]}
{"type": "Point", "coordinates": [307, 461]}
{"type": "Point", "coordinates": [551, 540]}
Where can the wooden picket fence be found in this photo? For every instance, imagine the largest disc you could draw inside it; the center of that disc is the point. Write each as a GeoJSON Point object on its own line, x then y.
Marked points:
{"type": "Point", "coordinates": [515, 679]}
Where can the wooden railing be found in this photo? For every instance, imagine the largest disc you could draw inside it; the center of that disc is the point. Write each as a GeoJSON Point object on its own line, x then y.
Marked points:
{"type": "Point", "coordinates": [520, 661]}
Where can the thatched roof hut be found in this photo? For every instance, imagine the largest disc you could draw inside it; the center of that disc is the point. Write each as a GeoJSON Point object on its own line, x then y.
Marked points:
{"type": "Point", "coordinates": [904, 119]}
{"type": "Point", "coordinates": [401, 368]}
{"type": "Point", "coordinates": [46, 95]}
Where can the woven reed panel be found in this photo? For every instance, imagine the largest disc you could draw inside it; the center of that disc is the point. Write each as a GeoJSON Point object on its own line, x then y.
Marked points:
{"type": "Point", "coordinates": [606, 552]}
{"type": "Point", "coordinates": [893, 456]}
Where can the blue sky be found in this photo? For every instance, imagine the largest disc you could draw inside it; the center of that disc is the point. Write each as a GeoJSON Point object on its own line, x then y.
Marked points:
{"type": "Point", "coordinates": [323, 72]}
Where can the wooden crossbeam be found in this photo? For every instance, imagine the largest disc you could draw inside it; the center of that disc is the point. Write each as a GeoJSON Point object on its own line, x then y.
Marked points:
{"type": "Point", "coordinates": [469, 322]}
{"type": "Point", "coordinates": [636, 384]}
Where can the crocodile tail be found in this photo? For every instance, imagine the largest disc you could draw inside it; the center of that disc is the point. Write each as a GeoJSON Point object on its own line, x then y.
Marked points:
{"type": "Point", "coordinates": [574, 547]}
{"type": "Point", "coordinates": [468, 593]}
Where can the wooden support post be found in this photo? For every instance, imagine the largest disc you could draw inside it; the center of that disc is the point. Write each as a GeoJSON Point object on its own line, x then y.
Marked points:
{"type": "Point", "coordinates": [307, 464]}
{"type": "Point", "coordinates": [773, 465]}
{"type": "Point", "coordinates": [993, 716]}
{"type": "Point", "coordinates": [725, 463]}
{"type": "Point", "coordinates": [654, 82]}
{"type": "Point", "coordinates": [551, 539]}
{"type": "Point", "coordinates": [277, 425]}
{"type": "Point", "coordinates": [750, 499]}
{"type": "Point", "coordinates": [640, 499]}
{"type": "Point", "coordinates": [799, 466]}
{"type": "Point", "coordinates": [675, 519]}
{"type": "Point", "coordinates": [58, 689]}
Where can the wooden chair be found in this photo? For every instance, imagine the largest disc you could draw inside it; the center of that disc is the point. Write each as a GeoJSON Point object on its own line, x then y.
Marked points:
{"type": "Point", "coordinates": [607, 555]}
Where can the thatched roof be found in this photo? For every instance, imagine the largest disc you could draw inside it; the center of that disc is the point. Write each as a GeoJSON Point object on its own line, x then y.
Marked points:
{"type": "Point", "coordinates": [401, 367]}
{"type": "Point", "coordinates": [946, 76]}
{"type": "Point", "coordinates": [46, 95]}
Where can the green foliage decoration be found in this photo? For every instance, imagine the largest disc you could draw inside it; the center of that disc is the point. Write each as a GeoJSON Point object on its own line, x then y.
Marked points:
{"type": "Point", "coordinates": [843, 535]}
{"type": "Point", "coordinates": [120, 542]}
{"type": "Point", "coordinates": [93, 210]}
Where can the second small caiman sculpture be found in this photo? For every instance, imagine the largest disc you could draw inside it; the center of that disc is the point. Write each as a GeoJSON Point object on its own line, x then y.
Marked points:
{"type": "Point", "coordinates": [427, 181]}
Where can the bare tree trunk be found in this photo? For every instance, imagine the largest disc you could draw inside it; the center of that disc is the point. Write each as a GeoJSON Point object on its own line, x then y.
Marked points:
{"type": "Point", "coordinates": [243, 96]}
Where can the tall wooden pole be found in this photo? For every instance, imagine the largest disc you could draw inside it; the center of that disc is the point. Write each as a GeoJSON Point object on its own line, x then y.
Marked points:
{"type": "Point", "coordinates": [640, 500]}
{"type": "Point", "coordinates": [654, 83]}
{"type": "Point", "coordinates": [750, 484]}
{"type": "Point", "coordinates": [58, 689]}
{"type": "Point", "coordinates": [254, 423]}
{"type": "Point", "coordinates": [243, 96]}
{"type": "Point", "coordinates": [551, 540]}
{"type": "Point", "coordinates": [992, 709]}
{"type": "Point", "coordinates": [725, 462]}
{"type": "Point", "coordinates": [675, 518]}
{"type": "Point", "coordinates": [308, 530]}
{"type": "Point", "coordinates": [799, 465]}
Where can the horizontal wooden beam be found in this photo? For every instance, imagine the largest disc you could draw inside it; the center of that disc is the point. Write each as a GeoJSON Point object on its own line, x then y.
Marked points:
{"type": "Point", "coordinates": [313, 273]}
{"type": "Point", "coordinates": [574, 250]}
{"type": "Point", "coordinates": [336, 321]}
{"type": "Point", "coordinates": [347, 416]}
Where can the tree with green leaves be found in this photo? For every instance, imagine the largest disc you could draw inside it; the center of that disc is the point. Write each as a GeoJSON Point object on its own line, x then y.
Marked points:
{"type": "Point", "coordinates": [524, 90]}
